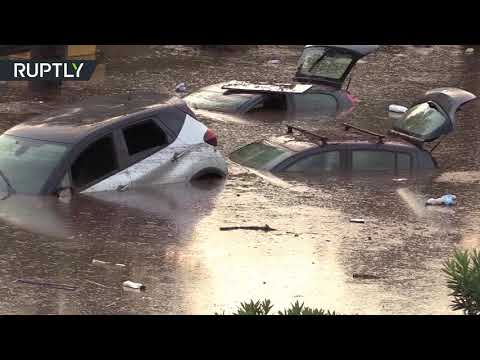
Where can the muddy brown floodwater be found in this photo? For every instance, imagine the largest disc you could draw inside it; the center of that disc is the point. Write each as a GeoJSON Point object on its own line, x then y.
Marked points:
{"type": "Point", "coordinates": [170, 240]}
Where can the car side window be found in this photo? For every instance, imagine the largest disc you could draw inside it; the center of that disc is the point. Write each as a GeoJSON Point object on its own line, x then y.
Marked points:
{"type": "Point", "coordinates": [324, 162]}
{"type": "Point", "coordinates": [367, 160]}
{"type": "Point", "coordinates": [144, 136]}
{"type": "Point", "coordinates": [95, 162]}
{"type": "Point", "coordinates": [315, 104]}
{"type": "Point", "coordinates": [403, 161]}
{"type": "Point", "coordinates": [271, 102]}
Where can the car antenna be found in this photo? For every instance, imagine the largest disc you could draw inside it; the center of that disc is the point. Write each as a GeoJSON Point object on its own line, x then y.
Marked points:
{"type": "Point", "coordinates": [379, 136]}
{"type": "Point", "coordinates": [290, 129]}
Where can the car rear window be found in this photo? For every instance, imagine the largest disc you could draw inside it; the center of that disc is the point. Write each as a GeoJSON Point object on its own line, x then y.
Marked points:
{"type": "Point", "coordinates": [324, 62]}
{"type": "Point", "coordinates": [421, 121]}
{"type": "Point", "coordinates": [257, 155]}
{"type": "Point", "coordinates": [219, 101]}
{"type": "Point", "coordinates": [27, 163]}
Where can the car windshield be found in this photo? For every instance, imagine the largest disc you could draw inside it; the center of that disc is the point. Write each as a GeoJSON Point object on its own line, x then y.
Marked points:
{"type": "Point", "coordinates": [27, 163]}
{"type": "Point", "coordinates": [324, 62]}
{"type": "Point", "coordinates": [422, 121]}
{"type": "Point", "coordinates": [222, 101]}
{"type": "Point", "coordinates": [257, 155]}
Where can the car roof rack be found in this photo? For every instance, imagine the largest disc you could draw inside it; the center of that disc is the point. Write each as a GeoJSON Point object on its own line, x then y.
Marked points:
{"type": "Point", "coordinates": [290, 129]}
{"type": "Point", "coordinates": [380, 137]}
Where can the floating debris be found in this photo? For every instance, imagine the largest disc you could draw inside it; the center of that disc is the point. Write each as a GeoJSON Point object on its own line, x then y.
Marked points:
{"type": "Point", "coordinates": [447, 200]}
{"type": "Point", "coordinates": [182, 87]}
{"type": "Point", "coordinates": [133, 285]}
{"type": "Point", "coordinates": [365, 276]}
{"type": "Point", "coordinates": [357, 221]}
{"type": "Point", "coordinates": [47, 284]}
{"type": "Point", "coordinates": [469, 51]}
{"type": "Point", "coordinates": [265, 228]}
{"type": "Point", "coordinates": [97, 284]}
{"type": "Point", "coordinates": [397, 109]}
{"type": "Point", "coordinates": [100, 262]}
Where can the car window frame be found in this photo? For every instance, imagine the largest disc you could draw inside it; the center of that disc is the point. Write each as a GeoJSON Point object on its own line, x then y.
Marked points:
{"type": "Point", "coordinates": [80, 150]}
{"type": "Point", "coordinates": [129, 160]}
{"type": "Point", "coordinates": [382, 149]}
{"type": "Point", "coordinates": [311, 152]}
{"type": "Point", "coordinates": [346, 156]}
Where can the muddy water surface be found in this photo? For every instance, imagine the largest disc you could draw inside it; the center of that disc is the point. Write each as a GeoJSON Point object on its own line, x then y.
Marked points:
{"type": "Point", "coordinates": [169, 238]}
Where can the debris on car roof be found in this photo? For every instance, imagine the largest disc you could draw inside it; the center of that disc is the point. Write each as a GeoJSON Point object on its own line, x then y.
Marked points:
{"type": "Point", "coordinates": [265, 87]}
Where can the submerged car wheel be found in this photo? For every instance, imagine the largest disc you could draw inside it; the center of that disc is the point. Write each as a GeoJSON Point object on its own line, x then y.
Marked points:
{"type": "Point", "coordinates": [207, 174]}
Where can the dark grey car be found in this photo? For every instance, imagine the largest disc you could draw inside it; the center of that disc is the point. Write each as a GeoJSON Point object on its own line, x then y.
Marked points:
{"type": "Point", "coordinates": [426, 121]}
{"type": "Point", "coordinates": [317, 90]}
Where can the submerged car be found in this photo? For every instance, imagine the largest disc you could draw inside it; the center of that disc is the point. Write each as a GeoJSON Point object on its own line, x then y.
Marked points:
{"type": "Point", "coordinates": [317, 91]}
{"type": "Point", "coordinates": [107, 144]}
{"type": "Point", "coordinates": [427, 120]}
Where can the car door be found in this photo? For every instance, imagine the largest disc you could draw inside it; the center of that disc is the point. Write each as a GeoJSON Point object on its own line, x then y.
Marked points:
{"type": "Point", "coordinates": [96, 160]}
{"type": "Point", "coordinates": [139, 146]}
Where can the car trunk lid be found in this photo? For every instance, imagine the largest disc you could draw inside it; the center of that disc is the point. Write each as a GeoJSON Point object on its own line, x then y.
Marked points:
{"type": "Point", "coordinates": [432, 116]}
{"type": "Point", "coordinates": [329, 64]}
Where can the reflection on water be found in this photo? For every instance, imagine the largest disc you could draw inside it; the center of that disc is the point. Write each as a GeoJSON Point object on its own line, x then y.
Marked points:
{"type": "Point", "coordinates": [169, 238]}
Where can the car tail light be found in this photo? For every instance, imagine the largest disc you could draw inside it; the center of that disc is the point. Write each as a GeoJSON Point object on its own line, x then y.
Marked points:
{"type": "Point", "coordinates": [210, 137]}
{"type": "Point", "coordinates": [353, 99]}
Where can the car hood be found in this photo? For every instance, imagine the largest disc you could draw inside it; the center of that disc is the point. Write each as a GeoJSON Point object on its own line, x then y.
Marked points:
{"type": "Point", "coordinates": [329, 64]}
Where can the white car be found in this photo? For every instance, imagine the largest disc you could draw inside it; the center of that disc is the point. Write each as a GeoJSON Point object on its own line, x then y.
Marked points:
{"type": "Point", "coordinates": [108, 144]}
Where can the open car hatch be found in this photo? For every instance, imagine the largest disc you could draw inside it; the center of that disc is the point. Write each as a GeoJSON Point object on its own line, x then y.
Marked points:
{"type": "Point", "coordinates": [433, 115]}
{"type": "Point", "coordinates": [235, 85]}
{"type": "Point", "coordinates": [329, 64]}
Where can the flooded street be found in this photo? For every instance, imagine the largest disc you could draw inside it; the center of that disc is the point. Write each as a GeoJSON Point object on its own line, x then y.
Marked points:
{"type": "Point", "coordinates": [169, 238]}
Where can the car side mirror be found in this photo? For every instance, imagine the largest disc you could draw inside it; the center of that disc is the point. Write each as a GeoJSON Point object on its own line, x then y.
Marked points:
{"type": "Point", "coordinates": [65, 194]}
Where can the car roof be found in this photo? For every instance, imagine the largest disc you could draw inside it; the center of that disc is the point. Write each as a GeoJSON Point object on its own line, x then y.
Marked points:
{"type": "Point", "coordinates": [75, 122]}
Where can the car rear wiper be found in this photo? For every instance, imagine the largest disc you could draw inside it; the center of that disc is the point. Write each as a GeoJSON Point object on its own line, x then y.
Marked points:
{"type": "Point", "coordinates": [9, 186]}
